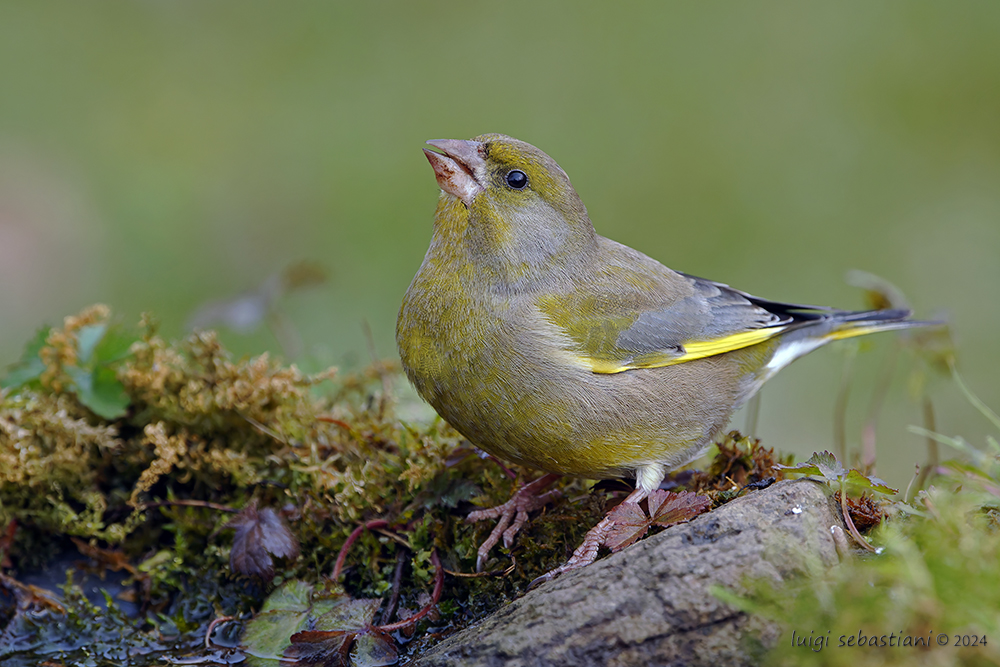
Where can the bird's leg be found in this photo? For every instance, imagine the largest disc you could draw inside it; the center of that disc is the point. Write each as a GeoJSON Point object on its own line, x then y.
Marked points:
{"type": "Point", "coordinates": [513, 514]}
{"type": "Point", "coordinates": [586, 553]}
{"type": "Point", "coordinates": [648, 478]}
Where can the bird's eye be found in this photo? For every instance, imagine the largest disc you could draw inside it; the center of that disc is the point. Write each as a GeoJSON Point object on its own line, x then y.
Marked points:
{"type": "Point", "coordinates": [517, 179]}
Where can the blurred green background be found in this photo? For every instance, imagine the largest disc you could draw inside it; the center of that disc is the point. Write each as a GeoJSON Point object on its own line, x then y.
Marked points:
{"type": "Point", "coordinates": [156, 155]}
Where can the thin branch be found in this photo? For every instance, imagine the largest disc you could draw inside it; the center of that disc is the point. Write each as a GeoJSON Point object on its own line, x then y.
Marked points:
{"type": "Point", "coordinates": [932, 445]}
{"type": "Point", "coordinates": [840, 406]}
{"type": "Point", "coordinates": [352, 538]}
{"type": "Point", "coordinates": [189, 503]}
{"type": "Point", "coordinates": [211, 628]}
{"type": "Point", "coordinates": [850, 522]}
{"type": "Point", "coordinates": [397, 581]}
{"type": "Point", "coordinates": [884, 382]}
{"type": "Point", "coordinates": [435, 597]}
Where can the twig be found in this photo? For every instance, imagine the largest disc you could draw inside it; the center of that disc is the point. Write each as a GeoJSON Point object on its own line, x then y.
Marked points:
{"type": "Point", "coordinates": [190, 503]}
{"type": "Point", "coordinates": [351, 539]}
{"type": "Point", "coordinates": [913, 480]}
{"type": "Point", "coordinates": [331, 420]}
{"type": "Point", "coordinates": [435, 597]}
{"type": "Point", "coordinates": [932, 445]}
{"type": "Point", "coordinates": [265, 430]}
{"type": "Point", "coordinates": [850, 522]}
{"type": "Point", "coordinates": [972, 398]}
{"type": "Point", "coordinates": [211, 628]}
{"type": "Point", "coordinates": [394, 537]}
{"type": "Point", "coordinates": [888, 369]}
{"type": "Point", "coordinates": [840, 406]}
{"type": "Point", "coordinates": [491, 573]}
{"type": "Point", "coordinates": [397, 580]}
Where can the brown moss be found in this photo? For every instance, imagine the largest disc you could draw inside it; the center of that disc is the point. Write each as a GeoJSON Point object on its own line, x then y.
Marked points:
{"type": "Point", "coordinates": [739, 461]}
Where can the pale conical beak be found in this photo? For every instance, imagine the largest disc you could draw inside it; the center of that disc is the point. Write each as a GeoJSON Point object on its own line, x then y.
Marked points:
{"type": "Point", "coordinates": [461, 169]}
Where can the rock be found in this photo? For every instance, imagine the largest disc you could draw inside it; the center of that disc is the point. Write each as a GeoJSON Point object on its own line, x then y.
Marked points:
{"type": "Point", "coordinates": [651, 604]}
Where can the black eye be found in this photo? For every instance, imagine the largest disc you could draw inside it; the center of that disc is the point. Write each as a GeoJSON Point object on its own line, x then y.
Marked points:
{"type": "Point", "coordinates": [517, 179]}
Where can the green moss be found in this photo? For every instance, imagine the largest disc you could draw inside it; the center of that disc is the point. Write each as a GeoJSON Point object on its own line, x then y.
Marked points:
{"type": "Point", "coordinates": [327, 453]}
{"type": "Point", "coordinates": [325, 450]}
{"type": "Point", "coordinates": [935, 577]}
{"type": "Point", "coordinates": [930, 593]}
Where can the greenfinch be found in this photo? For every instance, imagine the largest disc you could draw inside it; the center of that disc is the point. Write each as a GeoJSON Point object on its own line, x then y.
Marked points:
{"type": "Point", "coordinates": [550, 346]}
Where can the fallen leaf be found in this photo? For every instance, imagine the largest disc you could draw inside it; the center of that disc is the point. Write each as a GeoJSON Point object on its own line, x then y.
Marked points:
{"type": "Point", "coordinates": [667, 508]}
{"type": "Point", "coordinates": [299, 625]}
{"type": "Point", "coordinates": [823, 463]}
{"type": "Point", "coordinates": [260, 534]}
{"type": "Point", "coordinates": [630, 523]}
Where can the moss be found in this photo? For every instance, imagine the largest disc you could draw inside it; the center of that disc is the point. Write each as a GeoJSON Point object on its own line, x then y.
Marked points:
{"type": "Point", "coordinates": [197, 432]}
{"type": "Point", "coordinates": [935, 578]}
{"type": "Point", "coordinates": [324, 450]}
{"type": "Point", "coordinates": [928, 595]}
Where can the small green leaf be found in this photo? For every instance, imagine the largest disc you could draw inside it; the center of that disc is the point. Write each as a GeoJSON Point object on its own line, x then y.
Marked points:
{"type": "Point", "coordinates": [22, 373]}
{"type": "Point", "coordinates": [302, 624]}
{"type": "Point", "coordinates": [87, 339]}
{"type": "Point", "coordinates": [115, 345]}
{"type": "Point", "coordinates": [30, 366]}
{"type": "Point", "coordinates": [82, 382]}
{"type": "Point", "coordinates": [100, 391]}
{"type": "Point", "coordinates": [374, 648]}
{"type": "Point", "coordinates": [823, 463]}
{"type": "Point", "coordinates": [858, 481]}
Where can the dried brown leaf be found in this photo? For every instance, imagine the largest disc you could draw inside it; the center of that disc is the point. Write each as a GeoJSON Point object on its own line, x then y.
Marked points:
{"type": "Point", "coordinates": [322, 648]}
{"type": "Point", "coordinates": [630, 523]}
{"type": "Point", "coordinates": [667, 508]}
{"type": "Point", "coordinates": [260, 534]}
{"type": "Point", "coordinates": [374, 648]}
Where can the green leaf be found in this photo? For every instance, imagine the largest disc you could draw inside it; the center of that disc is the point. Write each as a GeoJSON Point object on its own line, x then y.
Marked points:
{"type": "Point", "coordinates": [299, 623]}
{"type": "Point", "coordinates": [100, 391]}
{"type": "Point", "coordinates": [30, 366]}
{"type": "Point", "coordinates": [856, 480]}
{"type": "Point", "coordinates": [284, 613]}
{"type": "Point", "coordinates": [22, 373]}
{"type": "Point", "coordinates": [374, 648]}
{"type": "Point", "coordinates": [115, 345]}
{"type": "Point", "coordinates": [823, 463]}
{"type": "Point", "coordinates": [979, 457]}
{"type": "Point", "coordinates": [87, 339]}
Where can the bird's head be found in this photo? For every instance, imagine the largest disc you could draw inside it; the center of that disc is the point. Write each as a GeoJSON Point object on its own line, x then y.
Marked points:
{"type": "Point", "coordinates": [511, 205]}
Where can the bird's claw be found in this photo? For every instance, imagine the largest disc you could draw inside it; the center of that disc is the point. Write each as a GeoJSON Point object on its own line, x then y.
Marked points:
{"type": "Point", "coordinates": [585, 554]}
{"type": "Point", "coordinates": [512, 515]}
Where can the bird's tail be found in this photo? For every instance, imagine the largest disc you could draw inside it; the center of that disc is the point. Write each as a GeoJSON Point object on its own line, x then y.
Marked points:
{"type": "Point", "coordinates": [812, 332]}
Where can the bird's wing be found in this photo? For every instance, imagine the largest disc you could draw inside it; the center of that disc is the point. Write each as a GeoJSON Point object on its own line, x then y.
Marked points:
{"type": "Point", "coordinates": [648, 316]}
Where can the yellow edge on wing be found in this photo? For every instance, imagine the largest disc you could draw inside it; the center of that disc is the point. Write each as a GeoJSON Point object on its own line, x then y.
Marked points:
{"type": "Point", "coordinates": [694, 350]}
{"type": "Point", "coordinates": [851, 332]}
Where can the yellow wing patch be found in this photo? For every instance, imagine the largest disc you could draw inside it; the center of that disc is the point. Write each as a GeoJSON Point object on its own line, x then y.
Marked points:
{"type": "Point", "coordinates": [693, 350]}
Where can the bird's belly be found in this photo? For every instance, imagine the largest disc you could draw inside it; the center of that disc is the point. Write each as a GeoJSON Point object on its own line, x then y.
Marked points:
{"type": "Point", "coordinates": [510, 391]}
{"type": "Point", "coordinates": [571, 421]}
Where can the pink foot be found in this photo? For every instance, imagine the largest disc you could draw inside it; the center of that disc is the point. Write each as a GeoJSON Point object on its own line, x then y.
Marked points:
{"type": "Point", "coordinates": [586, 553]}
{"type": "Point", "coordinates": [513, 514]}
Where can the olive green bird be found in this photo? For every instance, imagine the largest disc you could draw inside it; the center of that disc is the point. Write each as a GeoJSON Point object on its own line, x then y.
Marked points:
{"type": "Point", "coordinates": [550, 346]}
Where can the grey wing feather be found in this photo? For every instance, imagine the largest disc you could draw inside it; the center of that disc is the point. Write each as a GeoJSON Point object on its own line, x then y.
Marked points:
{"type": "Point", "coordinates": [712, 311]}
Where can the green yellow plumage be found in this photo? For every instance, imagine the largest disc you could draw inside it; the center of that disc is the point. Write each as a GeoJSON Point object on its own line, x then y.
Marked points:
{"type": "Point", "coordinates": [548, 345]}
